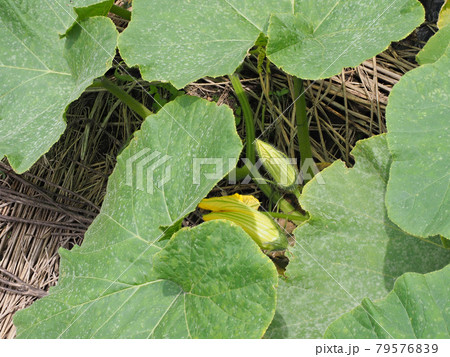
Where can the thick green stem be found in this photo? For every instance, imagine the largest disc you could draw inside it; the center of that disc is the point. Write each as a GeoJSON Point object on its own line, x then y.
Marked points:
{"type": "Point", "coordinates": [248, 117]}
{"type": "Point", "coordinates": [284, 205]}
{"type": "Point", "coordinates": [134, 105]}
{"type": "Point", "coordinates": [287, 208]}
{"type": "Point", "coordinates": [291, 217]}
{"type": "Point", "coordinates": [240, 173]}
{"type": "Point", "coordinates": [304, 143]}
{"type": "Point", "coordinates": [263, 186]}
{"type": "Point", "coordinates": [120, 11]}
{"type": "Point", "coordinates": [275, 196]}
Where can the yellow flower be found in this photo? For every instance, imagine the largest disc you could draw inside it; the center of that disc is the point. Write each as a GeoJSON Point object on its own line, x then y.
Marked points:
{"type": "Point", "coordinates": [242, 210]}
{"type": "Point", "coordinates": [235, 202]}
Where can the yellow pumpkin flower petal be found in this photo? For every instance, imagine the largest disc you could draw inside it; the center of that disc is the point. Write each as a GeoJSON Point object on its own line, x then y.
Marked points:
{"type": "Point", "coordinates": [261, 228]}
{"type": "Point", "coordinates": [235, 203]}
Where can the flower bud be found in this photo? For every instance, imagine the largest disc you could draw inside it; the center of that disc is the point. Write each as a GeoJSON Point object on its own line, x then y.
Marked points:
{"type": "Point", "coordinates": [277, 164]}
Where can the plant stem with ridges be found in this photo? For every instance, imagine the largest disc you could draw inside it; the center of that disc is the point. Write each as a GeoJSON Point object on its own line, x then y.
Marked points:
{"type": "Point", "coordinates": [304, 144]}
{"type": "Point", "coordinates": [120, 11]}
{"type": "Point", "coordinates": [132, 103]}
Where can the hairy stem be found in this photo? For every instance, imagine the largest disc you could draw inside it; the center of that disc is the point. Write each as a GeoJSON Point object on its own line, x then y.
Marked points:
{"type": "Point", "coordinates": [120, 11]}
{"type": "Point", "coordinates": [132, 103]}
{"type": "Point", "coordinates": [273, 195]}
{"type": "Point", "coordinates": [304, 143]}
{"type": "Point", "coordinates": [248, 117]}
{"type": "Point", "coordinates": [287, 209]}
{"type": "Point", "coordinates": [292, 217]}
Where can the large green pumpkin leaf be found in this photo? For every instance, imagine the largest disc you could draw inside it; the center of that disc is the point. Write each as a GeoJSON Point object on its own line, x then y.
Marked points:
{"type": "Point", "coordinates": [69, 12]}
{"type": "Point", "coordinates": [349, 249]}
{"type": "Point", "coordinates": [41, 73]}
{"type": "Point", "coordinates": [435, 47]}
{"type": "Point", "coordinates": [418, 307]}
{"type": "Point", "coordinates": [66, 12]}
{"type": "Point", "coordinates": [444, 15]}
{"type": "Point", "coordinates": [211, 281]}
{"type": "Point", "coordinates": [107, 286]}
{"type": "Point", "coordinates": [184, 40]}
{"type": "Point", "coordinates": [226, 285]}
{"type": "Point", "coordinates": [79, 9]}
{"type": "Point", "coordinates": [418, 121]}
{"type": "Point", "coordinates": [308, 38]}
{"type": "Point", "coordinates": [320, 37]}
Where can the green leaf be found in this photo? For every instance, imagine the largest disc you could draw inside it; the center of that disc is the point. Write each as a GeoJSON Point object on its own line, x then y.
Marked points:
{"type": "Point", "coordinates": [435, 47]}
{"type": "Point", "coordinates": [82, 9]}
{"type": "Point", "coordinates": [41, 74]}
{"type": "Point", "coordinates": [444, 15]}
{"type": "Point", "coordinates": [418, 198]}
{"type": "Point", "coordinates": [445, 242]}
{"type": "Point", "coordinates": [349, 249]}
{"type": "Point", "coordinates": [308, 38]}
{"type": "Point", "coordinates": [320, 37]}
{"type": "Point", "coordinates": [70, 12]}
{"type": "Point", "coordinates": [201, 38]}
{"type": "Point", "coordinates": [418, 307]}
{"type": "Point", "coordinates": [107, 287]}
{"type": "Point", "coordinates": [224, 281]}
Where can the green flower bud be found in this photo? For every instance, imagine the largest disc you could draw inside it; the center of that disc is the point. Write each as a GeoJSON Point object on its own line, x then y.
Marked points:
{"type": "Point", "coordinates": [277, 164]}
